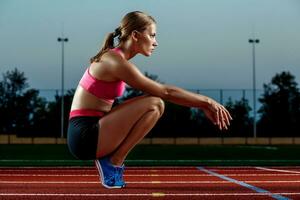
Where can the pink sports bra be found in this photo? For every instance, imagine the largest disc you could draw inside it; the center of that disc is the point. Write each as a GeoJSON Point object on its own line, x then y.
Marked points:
{"type": "Point", "coordinates": [104, 90]}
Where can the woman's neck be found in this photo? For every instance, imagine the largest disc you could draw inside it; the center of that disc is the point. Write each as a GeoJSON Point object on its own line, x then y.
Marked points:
{"type": "Point", "coordinates": [127, 50]}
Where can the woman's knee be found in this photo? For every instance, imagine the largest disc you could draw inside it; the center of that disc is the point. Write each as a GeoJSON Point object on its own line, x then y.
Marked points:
{"type": "Point", "coordinates": [157, 104]}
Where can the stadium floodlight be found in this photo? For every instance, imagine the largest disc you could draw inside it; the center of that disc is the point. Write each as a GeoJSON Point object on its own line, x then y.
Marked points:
{"type": "Point", "coordinates": [253, 42]}
{"type": "Point", "coordinates": [62, 40]}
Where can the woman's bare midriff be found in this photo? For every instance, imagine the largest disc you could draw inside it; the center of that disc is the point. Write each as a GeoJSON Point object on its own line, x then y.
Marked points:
{"type": "Point", "coordinates": [84, 100]}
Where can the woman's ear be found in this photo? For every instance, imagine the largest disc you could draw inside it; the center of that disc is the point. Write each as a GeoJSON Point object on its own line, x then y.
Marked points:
{"type": "Point", "coordinates": [134, 35]}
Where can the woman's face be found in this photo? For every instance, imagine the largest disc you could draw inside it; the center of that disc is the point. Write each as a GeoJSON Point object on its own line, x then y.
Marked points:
{"type": "Point", "coordinates": [147, 41]}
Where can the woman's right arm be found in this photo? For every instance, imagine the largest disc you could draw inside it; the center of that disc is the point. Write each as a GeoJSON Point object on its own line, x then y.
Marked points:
{"type": "Point", "coordinates": [130, 74]}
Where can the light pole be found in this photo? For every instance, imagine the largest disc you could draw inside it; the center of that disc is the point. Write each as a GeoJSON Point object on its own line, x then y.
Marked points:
{"type": "Point", "coordinates": [253, 42]}
{"type": "Point", "coordinates": [62, 40]}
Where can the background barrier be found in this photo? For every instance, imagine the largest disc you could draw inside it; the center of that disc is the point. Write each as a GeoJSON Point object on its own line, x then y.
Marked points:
{"type": "Point", "coordinates": [13, 139]}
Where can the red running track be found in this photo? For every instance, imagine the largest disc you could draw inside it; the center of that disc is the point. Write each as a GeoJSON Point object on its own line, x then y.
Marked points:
{"type": "Point", "coordinates": [64, 183]}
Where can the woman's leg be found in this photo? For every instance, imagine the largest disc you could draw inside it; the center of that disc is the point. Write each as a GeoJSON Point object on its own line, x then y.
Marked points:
{"type": "Point", "coordinates": [123, 127]}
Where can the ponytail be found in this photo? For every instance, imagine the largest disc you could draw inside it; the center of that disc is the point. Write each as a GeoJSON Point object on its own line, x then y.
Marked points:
{"type": "Point", "coordinates": [107, 44]}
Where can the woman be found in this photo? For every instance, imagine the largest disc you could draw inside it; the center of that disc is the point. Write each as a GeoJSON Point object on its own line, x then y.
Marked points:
{"type": "Point", "coordinates": [98, 131]}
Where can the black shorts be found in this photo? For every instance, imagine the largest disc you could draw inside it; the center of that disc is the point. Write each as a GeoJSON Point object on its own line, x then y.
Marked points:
{"type": "Point", "coordinates": [83, 137]}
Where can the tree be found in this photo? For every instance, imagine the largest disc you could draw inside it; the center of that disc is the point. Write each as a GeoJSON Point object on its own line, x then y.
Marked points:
{"type": "Point", "coordinates": [19, 106]}
{"type": "Point", "coordinates": [280, 111]}
{"type": "Point", "coordinates": [52, 122]}
{"type": "Point", "coordinates": [202, 126]}
{"type": "Point", "coordinates": [241, 125]}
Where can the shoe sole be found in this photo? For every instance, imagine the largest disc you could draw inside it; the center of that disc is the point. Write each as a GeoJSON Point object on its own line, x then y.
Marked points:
{"type": "Point", "coordinates": [98, 165]}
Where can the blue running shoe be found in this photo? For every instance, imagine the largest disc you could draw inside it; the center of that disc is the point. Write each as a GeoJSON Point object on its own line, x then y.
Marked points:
{"type": "Point", "coordinates": [119, 178]}
{"type": "Point", "coordinates": [111, 176]}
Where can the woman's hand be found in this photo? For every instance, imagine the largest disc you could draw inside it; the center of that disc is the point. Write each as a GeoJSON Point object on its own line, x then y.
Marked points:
{"type": "Point", "coordinates": [217, 114]}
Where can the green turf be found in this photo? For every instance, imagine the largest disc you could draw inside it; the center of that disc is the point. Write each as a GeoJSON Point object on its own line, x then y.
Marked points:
{"type": "Point", "coordinates": [58, 155]}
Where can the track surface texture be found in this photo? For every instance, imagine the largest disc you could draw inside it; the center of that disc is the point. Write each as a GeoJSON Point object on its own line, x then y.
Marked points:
{"type": "Point", "coordinates": [64, 183]}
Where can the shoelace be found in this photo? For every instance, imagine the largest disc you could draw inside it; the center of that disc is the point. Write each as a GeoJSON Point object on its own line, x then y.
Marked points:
{"type": "Point", "coordinates": [119, 174]}
{"type": "Point", "coordinates": [110, 179]}
{"type": "Point", "coordinates": [115, 177]}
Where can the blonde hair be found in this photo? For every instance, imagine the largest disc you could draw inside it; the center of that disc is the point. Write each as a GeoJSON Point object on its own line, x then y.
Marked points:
{"type": "Point", "coordinates": [136, 20]}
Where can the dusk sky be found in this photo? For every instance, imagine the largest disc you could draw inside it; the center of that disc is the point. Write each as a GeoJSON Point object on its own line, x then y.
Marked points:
{"type": "Point", "coordinates": [203, 44]}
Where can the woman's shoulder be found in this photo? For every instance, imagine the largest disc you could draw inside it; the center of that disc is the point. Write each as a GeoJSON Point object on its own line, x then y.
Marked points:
{"type": "Point", "coordinates": [108, 66]}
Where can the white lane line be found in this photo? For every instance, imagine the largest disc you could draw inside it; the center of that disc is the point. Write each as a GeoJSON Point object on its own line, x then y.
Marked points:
{"type": "Point", "coordinates": [94, 169]}
{"type": "Point", "coordinates": [144, 175]}
{"type": "Point", "coordinates": [135, 171]}
{"type": "Point", "coordinates": [277, 170]}
{"type": "Point", "coordinates": [141, 182]}
{"type": "Point", "coordinates": [92, 166]}
{"type": "Point", "coordinates": [48, 170]}
{"type": "Point", "coordinates": [48, 175]}
{"type": "Point", "coordinates": [146, 194]}
{"type": "Point", "coordinates": [97, 182]}
{"type": "Point", "coordinates": [244, 184]}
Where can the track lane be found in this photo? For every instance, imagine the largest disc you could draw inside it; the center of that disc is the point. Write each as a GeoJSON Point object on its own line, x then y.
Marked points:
{"type": "Point", "coordinates": [143, 183]}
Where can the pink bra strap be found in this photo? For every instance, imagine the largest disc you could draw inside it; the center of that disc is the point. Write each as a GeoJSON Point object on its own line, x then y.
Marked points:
{"type": "Point", "coordinates": [118, 50]}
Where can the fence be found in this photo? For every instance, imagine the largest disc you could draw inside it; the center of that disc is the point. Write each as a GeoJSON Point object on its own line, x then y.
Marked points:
{"type": "Point", "coordinates": [221, 95]}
